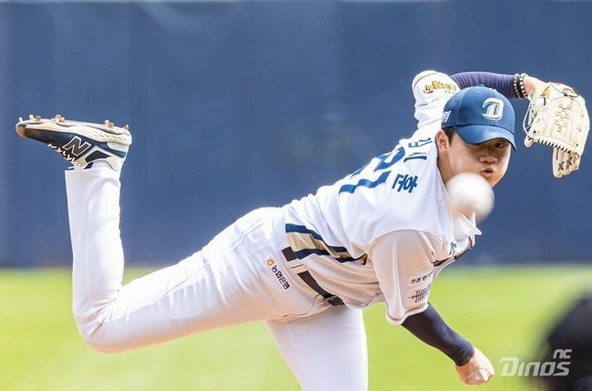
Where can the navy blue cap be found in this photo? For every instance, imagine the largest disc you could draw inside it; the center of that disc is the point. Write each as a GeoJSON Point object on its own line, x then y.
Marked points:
{"type": "Point", "coordinates": [480, 114]}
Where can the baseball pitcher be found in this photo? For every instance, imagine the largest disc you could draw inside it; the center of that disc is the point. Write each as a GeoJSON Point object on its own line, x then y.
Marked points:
{"type": "Point", "coordinates": [306, 269]}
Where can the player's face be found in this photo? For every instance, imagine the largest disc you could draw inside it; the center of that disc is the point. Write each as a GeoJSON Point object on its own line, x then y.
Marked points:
{"type": "Point", "coordinates": [489, 159]}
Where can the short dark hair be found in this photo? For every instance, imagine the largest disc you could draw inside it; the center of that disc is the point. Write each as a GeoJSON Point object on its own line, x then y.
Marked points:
{"type": "Point", "coordinates": [449, 132]}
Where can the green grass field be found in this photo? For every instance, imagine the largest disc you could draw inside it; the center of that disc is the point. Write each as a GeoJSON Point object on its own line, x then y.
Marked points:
{"type": "Point", "coordinates": [503, 311]}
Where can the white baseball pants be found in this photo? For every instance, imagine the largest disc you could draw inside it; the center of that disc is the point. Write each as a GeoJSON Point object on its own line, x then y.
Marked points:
{"type": "Point", "coordinates": [231, 280]}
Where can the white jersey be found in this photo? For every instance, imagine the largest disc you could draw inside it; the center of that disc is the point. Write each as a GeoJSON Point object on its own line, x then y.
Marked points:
{"type": "Point", "coordinates": [384, 232]}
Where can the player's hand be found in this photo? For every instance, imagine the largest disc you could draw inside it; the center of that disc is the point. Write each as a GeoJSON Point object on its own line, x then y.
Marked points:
{"type": "Point", "coordinates": [477, 371]}
{"type": "Point", "coordinates": [532, 84]}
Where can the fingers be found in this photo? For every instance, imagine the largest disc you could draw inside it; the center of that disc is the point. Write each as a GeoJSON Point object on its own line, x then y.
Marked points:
{"type": "Point", "coordinates": [478, 370]}
{"type": "Point", "coordinates": [481, 377]}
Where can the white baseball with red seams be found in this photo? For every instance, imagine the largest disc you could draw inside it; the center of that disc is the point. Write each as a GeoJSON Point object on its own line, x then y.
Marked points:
{"type": "Point", "coordinates": [470, 193]}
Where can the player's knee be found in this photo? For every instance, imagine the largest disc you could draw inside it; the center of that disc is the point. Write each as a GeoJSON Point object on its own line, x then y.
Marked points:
{"type": "Point", "coordinates": [94, 337]}
{"type": "Point", "coordinates": [96, 334]}
{"type": "Point", "coordinates": [99, 345]}
{"type": "Point", "coordinates": [100, 341]}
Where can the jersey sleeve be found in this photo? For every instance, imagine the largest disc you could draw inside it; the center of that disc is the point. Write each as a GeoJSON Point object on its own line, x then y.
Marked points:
{"type": "Point", "coordinates": [403, 263]}
{"type": "Point", "coordinates": [431, 90]}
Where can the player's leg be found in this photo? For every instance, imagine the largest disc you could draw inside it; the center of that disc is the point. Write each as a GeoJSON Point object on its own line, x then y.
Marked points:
{"type": "Point", "coordinates": [228, 282]}
{"type": "Point", "coordinates": [325, 351]}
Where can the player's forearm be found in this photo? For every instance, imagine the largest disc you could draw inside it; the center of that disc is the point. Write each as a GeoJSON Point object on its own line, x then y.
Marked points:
{"type": "Point", "coordinates": [503, 83]}
{"type": "Point", "coordinates": [429, 327]}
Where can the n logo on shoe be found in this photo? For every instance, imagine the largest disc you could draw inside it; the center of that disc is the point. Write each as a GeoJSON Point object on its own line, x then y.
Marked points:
{"type": "Point", "coordinates": [76, 146]}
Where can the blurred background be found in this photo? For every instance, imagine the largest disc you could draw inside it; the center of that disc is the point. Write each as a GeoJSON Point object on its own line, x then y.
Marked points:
{"type": "Point", "coordinates": [239, 104]}
{"type": "Point", "coordinates": [235, 105]}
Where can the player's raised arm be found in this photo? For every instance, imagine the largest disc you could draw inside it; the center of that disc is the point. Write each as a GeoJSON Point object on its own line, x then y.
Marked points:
{"type": "Point", "coordinates": [516, 86]}
{"type": "Point", "coordinates": [557, 115]}
{"type": "Point", "coordinates": [432, 89]}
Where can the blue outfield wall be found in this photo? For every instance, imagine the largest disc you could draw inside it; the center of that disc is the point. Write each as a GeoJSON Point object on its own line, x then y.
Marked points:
{"type": "Point", "coordinates": [236, 105]}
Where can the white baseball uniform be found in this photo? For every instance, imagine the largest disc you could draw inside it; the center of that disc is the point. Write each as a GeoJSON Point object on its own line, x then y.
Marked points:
{"type": "Point", "coordinates": [380, 234]}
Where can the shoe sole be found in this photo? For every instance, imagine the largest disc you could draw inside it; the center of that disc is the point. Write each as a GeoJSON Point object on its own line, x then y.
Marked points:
{"type": "Point", "coordinates": [107, 132]}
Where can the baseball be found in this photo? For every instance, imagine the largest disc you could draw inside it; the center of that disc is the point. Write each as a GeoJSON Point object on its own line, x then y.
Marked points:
{"type": "Point", "coordinates": [470, 193]}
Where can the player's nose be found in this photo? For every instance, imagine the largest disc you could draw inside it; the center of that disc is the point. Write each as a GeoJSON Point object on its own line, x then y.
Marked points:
{"type": "Point", "coordinates": [488, 157]}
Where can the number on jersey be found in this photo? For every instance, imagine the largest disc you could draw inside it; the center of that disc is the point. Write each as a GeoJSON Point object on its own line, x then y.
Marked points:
{"type": "Point", "coordinates": [377, 170]}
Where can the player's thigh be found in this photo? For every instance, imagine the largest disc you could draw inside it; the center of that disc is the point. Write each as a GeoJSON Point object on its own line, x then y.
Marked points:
{"type": "Point", "coordinates": [325, 351]}
{"type": "Point", "coordinates": [227, 283]}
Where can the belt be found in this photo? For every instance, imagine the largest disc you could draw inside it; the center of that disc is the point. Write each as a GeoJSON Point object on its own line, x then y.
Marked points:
{"type": "Point", "coordinates": [310, 281]}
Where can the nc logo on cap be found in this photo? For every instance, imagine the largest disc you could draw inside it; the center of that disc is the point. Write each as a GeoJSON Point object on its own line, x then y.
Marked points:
{"type": "Point", "coordinates": [494, 108]}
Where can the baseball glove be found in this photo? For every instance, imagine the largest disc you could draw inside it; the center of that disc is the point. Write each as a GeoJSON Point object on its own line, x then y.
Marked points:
{"type": "Point", "coordinates": [557, 117]}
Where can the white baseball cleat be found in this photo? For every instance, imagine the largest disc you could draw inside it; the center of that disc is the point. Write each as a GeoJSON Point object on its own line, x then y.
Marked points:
{"type": "Point", "coordinates": [80, 143]}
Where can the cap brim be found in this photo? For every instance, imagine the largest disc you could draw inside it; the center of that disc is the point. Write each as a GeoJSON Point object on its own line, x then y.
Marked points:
{"type": "Point", "coordinates": [477, 134]}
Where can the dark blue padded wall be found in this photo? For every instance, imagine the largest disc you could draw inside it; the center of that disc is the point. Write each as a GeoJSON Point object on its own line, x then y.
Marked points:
{"type": "Point", "coordinates": [236, 105]}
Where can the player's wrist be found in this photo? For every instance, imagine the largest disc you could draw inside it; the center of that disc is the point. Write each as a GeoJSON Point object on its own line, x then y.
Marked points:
{"type": "Point", "coordinates": [518, 83]}
{"type": "Point", "coordinates": [463, 355]}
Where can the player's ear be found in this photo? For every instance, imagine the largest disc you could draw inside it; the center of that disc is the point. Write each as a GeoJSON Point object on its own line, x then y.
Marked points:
{"type": "Point", "coordinates": [442, 141]}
